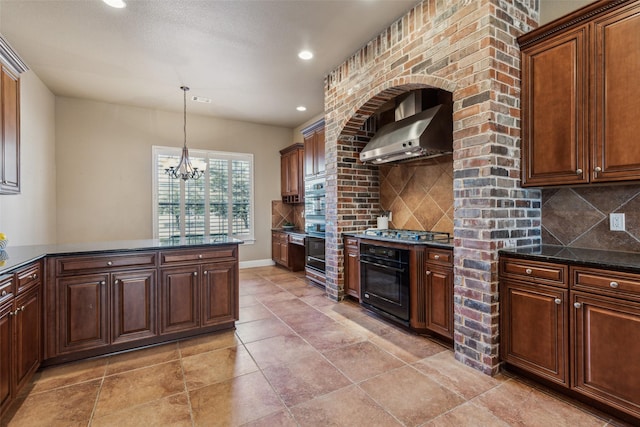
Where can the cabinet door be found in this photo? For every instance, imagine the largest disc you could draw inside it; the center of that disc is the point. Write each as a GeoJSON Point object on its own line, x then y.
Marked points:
{"type": "Point", "coordinates": [439, 296]}
{"type": "Point", "coordinates": [133, 304]}
{"type": "Point", "coordinates": [554, 111]}
{"type": "Point", "coordinates": [309, 155]}
{"type": "Point", "coordinates": [284, 249]}
{"type": "Point", "coordinates": [6, 354]}
{"type": "Point", "coordinates": [218, 298]}
{"type": "Point", "coordinates": [534, 329]}
{"type": "Point", "coordinates": [82, 312]}
{"type": "Point", "coordinates": [617, 95]}
{"type": "Point", "coordinates": [28, 335]}
{"type": "Point", "coordinates": [179, 297]}
{"type": "Point", "coordinates": [318, 151]}
{"type": "Point", "coordinates": [275, 247]}
{"type": "Point", "coordinates": [10, 124]}
{"type": "Point", "coordinates": [607, 350]}
{"type": "Point", "coordinates": [294, 173]}
{"type": "Point", "coordinates": [284, 175]}
{"type": "Point", "coordinates": [352, 272]}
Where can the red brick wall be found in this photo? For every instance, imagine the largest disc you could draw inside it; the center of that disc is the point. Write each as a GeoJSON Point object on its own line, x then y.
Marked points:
{"type": "Point", "coordinates": [467, 47]}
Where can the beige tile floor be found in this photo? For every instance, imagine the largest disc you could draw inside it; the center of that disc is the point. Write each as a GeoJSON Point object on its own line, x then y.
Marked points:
{"type": "Point", "coordinates": [295, 359]}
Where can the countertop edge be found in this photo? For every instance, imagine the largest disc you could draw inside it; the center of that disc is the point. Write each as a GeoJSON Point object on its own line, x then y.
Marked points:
{"type": "Point", "coordinates": [19, 256]}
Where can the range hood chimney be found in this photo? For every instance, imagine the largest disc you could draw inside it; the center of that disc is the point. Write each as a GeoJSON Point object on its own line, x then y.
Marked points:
{"type": "Point", "coordinates": [424, 134]}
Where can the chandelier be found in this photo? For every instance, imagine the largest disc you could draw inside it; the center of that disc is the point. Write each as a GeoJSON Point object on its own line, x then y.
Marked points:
{"type": "Point", "coordinates": [184, 169]}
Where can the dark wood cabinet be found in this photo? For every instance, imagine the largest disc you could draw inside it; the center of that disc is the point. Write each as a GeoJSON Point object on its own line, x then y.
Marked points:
{"type": "Point", "coordinates": [20, 330]}
{"type": "Point", "coordinates": [352, 267]}
{"type": "Point", "coordinates": [82, 313]}
{"type": "Point", "coordinates": [287, 250]}
{"type": "Point", "coordinates": [179, 297]}
{"type": "Point", "coordinates": [534, 322]}
{"type": "Point", "coordinates": [291, 173]}
{"type": "Point", "coordinates": [534, 329]}
{"type": "Point", "coordinates": [434, 291]}
{"type": "Point", "coordinates": [576, 326]}
{"type": "Point", "coordinates": [314, 147]}
{"type": "Point", "coordinates": [577, 107]}
{"type": "Point", "coordinates": [218, 300]}
{"type": "Point", "coordinates": [607, 350]}
{"type": "Point", "coordinates": [10, 126]}
{"type": "Point", "coordinates": [6, 355]}
{"type": "Point", "coordinates": [133, 302]}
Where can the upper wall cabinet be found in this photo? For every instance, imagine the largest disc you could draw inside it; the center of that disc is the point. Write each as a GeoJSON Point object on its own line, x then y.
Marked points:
{"type": "Point", "coordinates": [10, 125]}
{"type": "Point", "coordinates": [579, 97]}
{"type": "Point", "coordinates": [11, 66]}
{"type": "Point", "coordinates": [314, 163]}
{"type": "Point", "coordinates": [291, 182]}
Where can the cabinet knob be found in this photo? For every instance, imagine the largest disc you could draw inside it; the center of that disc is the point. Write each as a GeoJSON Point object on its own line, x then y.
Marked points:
{"type": "Point", "coordinates": [613, 284]}
{"type": "Point", "coordinates": [4, 293]}
{"type": "Point", "coordinates": [34, 276]}
{"type": "Point", "coordinates": [578, 171]}
{"type": "Point", "coordinates": [22, 308]}
{"type": "Point", "coordinates": [577, 305]}
{"type": "Point", "coordinates": [200, 256]}
{"type": "Point", "coordinates": [116, 281]}
{"type": "Point", "coordinates": [597, 169]}
{"type": "Point", "coordinates": [102, 282]}
{"type": "Point", "coordinates": [428, 272]}
{"type": "Point", "coordinates": [195, 273]}
{"type": "Point", "coordinates": [109, 263]}
{"type": "Point", "coordinates": [205, 272]}
{"type": "Point", "coordinates": [436, 257]}
{"type": "Point", "coordinates": [557, 301]}
{"type": "Point", "coordinates": [528, 271]}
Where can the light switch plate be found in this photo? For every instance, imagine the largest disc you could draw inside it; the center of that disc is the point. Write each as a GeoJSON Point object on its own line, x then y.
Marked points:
{"type": "Point", "coordinates": [616, 222]}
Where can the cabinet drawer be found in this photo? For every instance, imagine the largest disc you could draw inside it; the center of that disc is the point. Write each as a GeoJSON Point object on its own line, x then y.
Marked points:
{"type": "Point", "coordinates": [296, 239]}
{"type": "Point", "coordinates": [607, 282]}
{"type": "Point", "coordinates": [28, 277]}
{"type": "Point", "coordinates": [351, 242]}
{"type": "Point", "coordinates": [222, 253]}
{"type": "Point", "coordinates": [6, 288]}
{"type": "Point", "coordinates": [75, 264]}
{"type": "Point", "coordinates": [534, 271]}
{"type": "Point", "coordinates": [439, 256]}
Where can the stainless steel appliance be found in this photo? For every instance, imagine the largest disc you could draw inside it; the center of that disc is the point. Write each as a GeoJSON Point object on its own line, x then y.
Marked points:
{"type": "Point", "coordinates": [409, 235]}
{"type": "Point", "coordinates": [314, 225]}
{"type": "Point", "coordinates": [384, 278]}
{"type": "Point", "coordinates": [314, 207]}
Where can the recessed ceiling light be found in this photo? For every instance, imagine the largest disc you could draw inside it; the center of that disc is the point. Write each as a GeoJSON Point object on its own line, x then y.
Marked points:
{"type": "Point", "coordinates": [301, 108]}
{"type": "Point", "coordinates": [305, 54]}
{"type": "Point", "coordinates": [201, 99]}
{"type": "Point", "coordinates": [118, 4]}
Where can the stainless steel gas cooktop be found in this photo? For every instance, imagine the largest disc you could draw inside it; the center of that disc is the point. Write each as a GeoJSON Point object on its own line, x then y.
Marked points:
{"type": "Point", "coordinates": [409, 235]}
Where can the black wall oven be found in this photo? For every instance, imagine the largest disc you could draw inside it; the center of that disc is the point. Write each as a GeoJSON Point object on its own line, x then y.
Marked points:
{"type": "Point", "coordinates": [314, 251]}
{"type": "Point", "coordinates": [384, 281]}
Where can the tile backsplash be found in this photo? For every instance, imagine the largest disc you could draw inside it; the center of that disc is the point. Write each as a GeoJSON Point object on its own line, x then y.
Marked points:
{"type": "Point", "coordinates": [579, 217]}
{"type": "Point", "coordinates": [419, 194]}
{"type": "Point", "coordinates": [283, 212]}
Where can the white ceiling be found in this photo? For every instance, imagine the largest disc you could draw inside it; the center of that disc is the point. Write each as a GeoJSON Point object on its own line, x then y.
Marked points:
{"type": "Point", "coordinates": [242, 54]}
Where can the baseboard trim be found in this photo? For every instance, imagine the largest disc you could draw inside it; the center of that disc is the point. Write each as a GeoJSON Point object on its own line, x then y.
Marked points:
{"type": "Point", "coordinates": [256, 263]}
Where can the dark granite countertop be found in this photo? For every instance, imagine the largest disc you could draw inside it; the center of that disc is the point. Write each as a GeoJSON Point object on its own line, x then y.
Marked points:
{"type": "Point", "coordinates": [16, 256]}
{"type": "Point", "coordinates": [625, 261]}
{"type": "Point", "coordinates": [436, 244]}
{"type": "Point", "coordinates": [291, 231]}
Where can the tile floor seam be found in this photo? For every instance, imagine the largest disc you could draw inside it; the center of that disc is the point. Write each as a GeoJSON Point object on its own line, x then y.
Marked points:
{"type": "Point", "coordinates": [383, 407]}
{"type": "Point", "coordinates": [95, 403]}
{"type": "Point", "coordinates": [186, 390]}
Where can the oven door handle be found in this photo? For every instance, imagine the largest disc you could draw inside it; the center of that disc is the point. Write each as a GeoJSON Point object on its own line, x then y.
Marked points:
{"type": "Point", "coordinates": [387, 267]}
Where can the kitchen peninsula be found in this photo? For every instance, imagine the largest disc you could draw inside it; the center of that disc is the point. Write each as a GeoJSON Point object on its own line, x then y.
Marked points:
{"type": "Point", "coordinates": [60, 303]}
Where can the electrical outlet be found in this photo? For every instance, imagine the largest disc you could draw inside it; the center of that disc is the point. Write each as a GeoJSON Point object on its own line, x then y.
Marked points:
{"type": "Point", "coordinates": [616, 222]}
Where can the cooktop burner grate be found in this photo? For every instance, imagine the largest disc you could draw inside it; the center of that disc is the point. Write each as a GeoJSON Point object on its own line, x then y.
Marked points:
{"type": "Point", "coordinates": [411, 235]}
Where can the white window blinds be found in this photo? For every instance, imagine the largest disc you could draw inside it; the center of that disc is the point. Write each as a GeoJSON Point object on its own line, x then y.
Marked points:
{"type": "Point", "coordinates": [219, 203]}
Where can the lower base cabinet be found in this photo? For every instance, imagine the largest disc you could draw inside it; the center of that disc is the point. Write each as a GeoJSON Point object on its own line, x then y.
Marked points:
{"type": "Point", "coordinates": [352, 267]}
{"type": "Point", "coordinates": [20, 331]}
{"type": "Point", "coordinates": [582, 334]}
{"type": "Point", "coordinates": [179, 295]}
{"type": "Point", "coordinates": [133, 316]}
{"type": "Point", "coordinates": [607, 350]}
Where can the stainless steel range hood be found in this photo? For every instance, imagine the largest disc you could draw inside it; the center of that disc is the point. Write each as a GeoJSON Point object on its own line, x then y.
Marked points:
{"type": "Point", "coordinates": [426, 134]}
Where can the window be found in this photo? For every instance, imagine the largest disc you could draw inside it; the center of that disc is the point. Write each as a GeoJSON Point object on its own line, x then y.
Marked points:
{"type": "Point", "coordinates": [219, 203]}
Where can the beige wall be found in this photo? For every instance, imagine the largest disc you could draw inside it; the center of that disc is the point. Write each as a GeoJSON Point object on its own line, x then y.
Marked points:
{"type": "Point", "coordinates": [29, 218]}
{"type": "Point", "coordinates": [104, 180]}
{"type": "Point", "coordinates": [553, 9]}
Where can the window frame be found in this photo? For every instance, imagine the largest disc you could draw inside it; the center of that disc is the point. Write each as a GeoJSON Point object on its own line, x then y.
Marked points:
{"type": "Point", "coordinates": [248, 238]}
